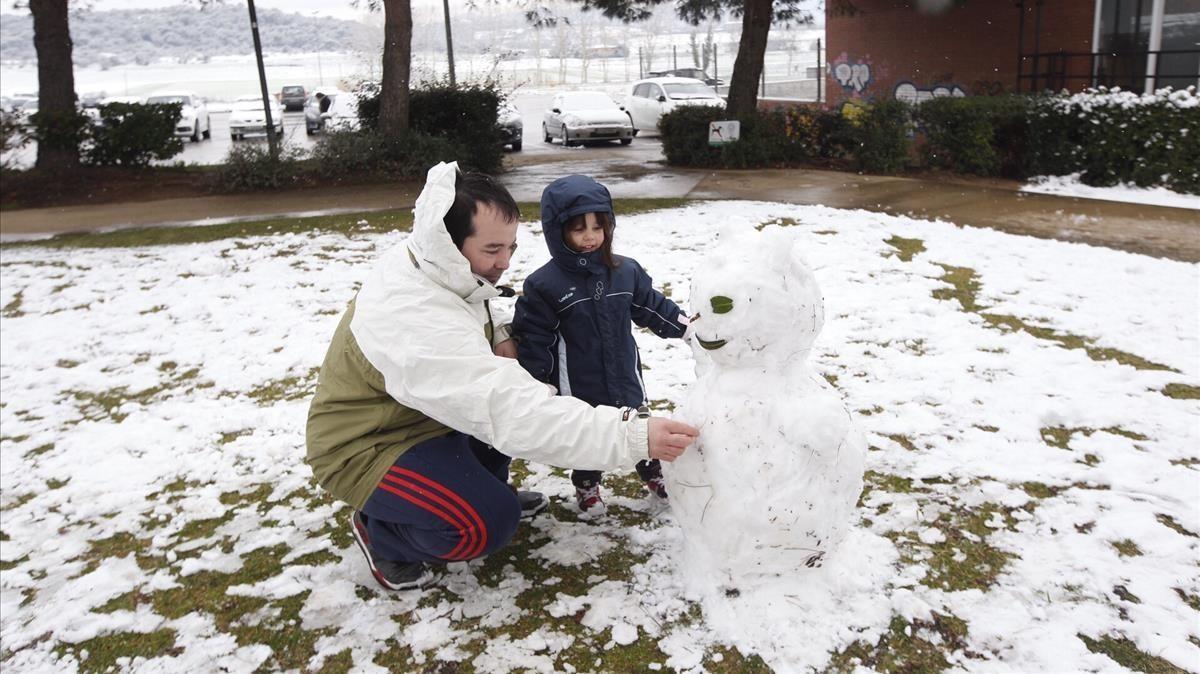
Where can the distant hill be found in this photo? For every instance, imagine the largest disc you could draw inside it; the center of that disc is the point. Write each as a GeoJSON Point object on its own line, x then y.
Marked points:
{"type": "Point", "coordinates": [114, 37]}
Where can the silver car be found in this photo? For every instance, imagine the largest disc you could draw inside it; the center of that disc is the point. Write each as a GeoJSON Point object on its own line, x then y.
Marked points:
{"type": "Point", "coordinates": [579, 116]}
{"type": "Point", "coordinates": [249, 118]}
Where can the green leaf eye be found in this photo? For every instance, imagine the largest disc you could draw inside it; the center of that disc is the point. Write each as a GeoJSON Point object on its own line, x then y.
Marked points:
{"type": "Point", "coordinates": [721, 304]}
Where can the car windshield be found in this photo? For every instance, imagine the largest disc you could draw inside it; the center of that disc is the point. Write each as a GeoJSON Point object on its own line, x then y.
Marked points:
{"type": "Point", "coordinates": [587, 101]}
{"type": "Point", "coordinates": [170, 99]}
{"type": "Point", "coordinates": [293, 90]}
{"type": "Point", "coordinates": [689, 90]}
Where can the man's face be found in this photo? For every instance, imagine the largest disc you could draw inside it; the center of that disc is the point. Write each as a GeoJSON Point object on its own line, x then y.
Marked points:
{"type": "Point", "coordinates": [490, 248]}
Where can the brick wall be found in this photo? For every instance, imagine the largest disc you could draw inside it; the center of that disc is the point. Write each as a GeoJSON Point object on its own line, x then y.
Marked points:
{"type": "Point", "coordinates": [887, 48]}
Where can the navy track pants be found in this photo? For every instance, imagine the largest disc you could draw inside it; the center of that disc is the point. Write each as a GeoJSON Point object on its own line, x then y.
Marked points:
{"type": "Point", "coordinates": [446, 499]}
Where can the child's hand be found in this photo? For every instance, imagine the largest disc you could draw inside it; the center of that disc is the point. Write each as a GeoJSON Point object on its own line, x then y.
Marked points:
{"type": "Point", "coordinates": [506, 349]}
{"type": "Point", "coordinates": [669, 438]}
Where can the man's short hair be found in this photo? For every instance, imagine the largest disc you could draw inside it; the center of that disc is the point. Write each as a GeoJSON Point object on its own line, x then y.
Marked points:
{"type": "Point", "coordinates": [470, 190]}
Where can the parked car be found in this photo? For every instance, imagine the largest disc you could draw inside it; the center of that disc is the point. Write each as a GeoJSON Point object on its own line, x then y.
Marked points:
{"type": "Point", "coordinates": [249, 118]}
{"type": "Point", "coordinates": [292, 97]}
{"type": "Point", "coordinates": [580, 116]}
{"type": "Point", "coordinates": [343, 113]}
{"type": "Point", "coordinates": [650, 99]}
{"type": "Point", "coordinates": [313, 122]}
{"type": "Point", "coordinates": [690, 73]}
{"type": "Point", "coordinates": [194, 121]}
{"type": "Point", "coordinates": [512, 129]}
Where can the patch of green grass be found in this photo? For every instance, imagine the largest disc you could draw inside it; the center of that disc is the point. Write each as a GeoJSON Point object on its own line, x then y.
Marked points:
{"type": "Point", "coordinates": [288, 388]}
{"type": "Point", "coordinates": [339, 663]}
{"type": "Point", "coordinates": [1125, 595]}
{"type": "Point", "coordinates": [725, 660]}
{"type": "Point", "coordinates": [1127, 654]}
{"type": "Point", "coordinates": [1190, 599]}
{"type": "Point", "coordinates": [121, 545]}
{"type": "Point", "coordinates": [9, 565]}
{"type": "Point", "coordinates": [780, 222]}
{"type": "Point", "coordinates": [1181, 391]}
{"type": "Point", "coordinates": [903, 441]}
{"type": "Point", "coordinates": [964, 560]}
{"type": "Point", "coordinates": [1060, 436]}
{"type": "Point", "coordinates": [1127, 548]}
{"type": "Point", "coordinates": [104, 651]}
{"type": "Point", "coordinates": [39, 450]}
{"type": "Point", "coordinates": [13, 308]}
{"type": "Point", "coordinates": [904, 648]}
{"type": "Point", "coordinates": [204, 528]}
{"type": "Point", "coordinates": [964, 288]}
{"type": "Point", "coordinates": [1170, 523]}
{"type": "Point", "coordinates": [1069, 341]}
{"type": "Point", "coordinates": [661, 405]}
{"type": "Point", "coordinates": [100, 405]}
{"type": "Point", "coordinates": [906, 248]}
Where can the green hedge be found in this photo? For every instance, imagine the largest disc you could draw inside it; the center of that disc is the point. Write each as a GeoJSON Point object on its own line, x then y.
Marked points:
{"type": "Point", "coordinates": [133, 134]}
{"type": "Point", "coordinates": [1108, 137]}
{"type": "Point", "coordinates": [464, 116]}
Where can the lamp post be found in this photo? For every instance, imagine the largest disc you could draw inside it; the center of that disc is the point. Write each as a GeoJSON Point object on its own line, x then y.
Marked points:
{"type": "Point", "coordinates": [449, 41]}
{"type": "Point", "coordinates": [272, 141]}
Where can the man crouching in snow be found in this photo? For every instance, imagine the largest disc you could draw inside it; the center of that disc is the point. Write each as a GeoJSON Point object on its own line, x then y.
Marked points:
{"type": "Point", "coordinates": [415, 416]}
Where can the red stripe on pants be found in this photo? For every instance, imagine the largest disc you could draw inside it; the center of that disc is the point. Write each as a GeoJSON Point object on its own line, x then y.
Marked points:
{"type": "Point", "coordinates": [465, 507]}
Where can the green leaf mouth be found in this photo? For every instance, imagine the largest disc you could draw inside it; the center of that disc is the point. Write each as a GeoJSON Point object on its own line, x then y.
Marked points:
{"type": "Point", "coordinates": [721, 304]}
{"type": "Point", "coordinates": [711, 346]}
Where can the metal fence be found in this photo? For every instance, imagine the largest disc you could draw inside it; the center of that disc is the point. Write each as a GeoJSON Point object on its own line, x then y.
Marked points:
{"type": "Point", "coordinates": [1142, 70]}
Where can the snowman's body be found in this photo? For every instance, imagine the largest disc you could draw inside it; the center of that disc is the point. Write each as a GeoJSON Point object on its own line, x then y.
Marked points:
{"type": "Point", "coordinates": [771, 485]}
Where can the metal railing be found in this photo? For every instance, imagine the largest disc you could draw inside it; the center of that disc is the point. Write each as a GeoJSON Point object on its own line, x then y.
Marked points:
{"type": "Point", "coordinates": [1126, 69]}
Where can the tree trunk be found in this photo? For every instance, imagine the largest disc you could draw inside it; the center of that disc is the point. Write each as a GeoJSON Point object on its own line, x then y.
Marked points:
{"type": "Point", "coordinates": [397, 66]}
{"type": "Point", "coordinates": [59, 150]}
{"type": "Point", "coordinates": [743, 84]}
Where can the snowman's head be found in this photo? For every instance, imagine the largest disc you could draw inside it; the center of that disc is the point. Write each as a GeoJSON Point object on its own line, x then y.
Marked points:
{"type": "Point", "coordinates": [755, 301]}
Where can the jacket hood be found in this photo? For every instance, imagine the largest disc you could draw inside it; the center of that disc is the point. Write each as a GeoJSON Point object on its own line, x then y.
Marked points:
{"type": "Point", "coordinates": [430, 244]}
{"type": "Point", "coordinates": [562, 200]}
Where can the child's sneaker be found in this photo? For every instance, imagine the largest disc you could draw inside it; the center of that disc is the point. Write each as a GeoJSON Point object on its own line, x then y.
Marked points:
{"type": "Point", "coordinates": [532, 503]}
{"type": "Point", "coordinates": [391, 575]}
{"type": "Point", "coordinates": [657, 487]}
{"type": "Point", "coordinates": [589, 501]}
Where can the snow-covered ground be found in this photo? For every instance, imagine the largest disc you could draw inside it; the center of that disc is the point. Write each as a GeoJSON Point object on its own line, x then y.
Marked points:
{"type": "Point", "coordinates": [1031, 499]}
{"type": "Point", "coordinates": [1070, 186]}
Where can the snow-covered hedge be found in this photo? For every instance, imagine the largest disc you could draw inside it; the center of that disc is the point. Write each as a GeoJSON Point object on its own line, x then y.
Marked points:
{"type": "Point", "coordinates": [1110, 136]}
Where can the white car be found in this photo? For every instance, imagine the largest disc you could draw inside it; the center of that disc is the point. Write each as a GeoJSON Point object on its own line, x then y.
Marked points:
{"type": "Point", "coordinates": [194, 121]}
{"type": "Point", "coordinates": [343, 113]}
{"type": "Point", "coordinates": [585, 116]}
{"type": "Point", "coordinates": [652, 98]}
{"type": "Point", "coordinates": [248, 117]}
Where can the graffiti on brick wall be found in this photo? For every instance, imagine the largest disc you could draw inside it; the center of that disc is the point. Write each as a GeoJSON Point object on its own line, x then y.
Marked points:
{"type": "Point", "coordinates": [910, 93]}
{"type": "Point", "coordinates": [852, 75]}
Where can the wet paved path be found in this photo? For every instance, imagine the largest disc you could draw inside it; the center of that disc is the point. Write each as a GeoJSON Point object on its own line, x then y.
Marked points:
{"type": "Point", "coordinates": [1153, 230]}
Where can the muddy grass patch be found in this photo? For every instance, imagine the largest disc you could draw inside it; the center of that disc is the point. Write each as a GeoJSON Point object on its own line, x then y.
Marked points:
{"type": "Point", "coordinates": [917, 646]}
{"type": "Point", "coordinates": [1125, 653]}
{"type": "Point", "coordinates": [964, 288]}
{"type": "Point", "coordinates": [906, 249]}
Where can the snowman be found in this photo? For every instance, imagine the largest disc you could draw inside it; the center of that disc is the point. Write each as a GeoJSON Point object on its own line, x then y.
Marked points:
{"type": "Point", "coordinates": [771, 485]}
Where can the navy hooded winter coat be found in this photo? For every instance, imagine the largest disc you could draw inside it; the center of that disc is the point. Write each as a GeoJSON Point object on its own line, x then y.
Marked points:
{"type": "Point", "coordinates": [573, 320]}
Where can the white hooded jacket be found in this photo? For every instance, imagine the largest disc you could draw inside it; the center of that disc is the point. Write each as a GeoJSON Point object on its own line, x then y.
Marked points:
{"type": "Point", "coordinates": [420, 321]}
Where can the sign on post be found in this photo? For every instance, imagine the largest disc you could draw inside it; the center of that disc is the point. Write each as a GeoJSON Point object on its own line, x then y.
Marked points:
{"type": "Point", "coordinates": [723, 132]}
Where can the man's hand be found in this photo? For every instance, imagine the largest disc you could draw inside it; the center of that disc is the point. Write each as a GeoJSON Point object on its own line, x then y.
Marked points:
{"type": "Point", "coordinates": [506, 349]}
{"type": "Point", "coordinates": [668, 438]}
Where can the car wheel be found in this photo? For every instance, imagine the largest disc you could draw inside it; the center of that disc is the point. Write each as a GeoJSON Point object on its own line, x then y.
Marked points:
{"type": "Point", "coordinates": [546, 135]}
{"type": "Point", "coordinates": [566, 142]}
{"type": "Point", "coordinates": [208, 128]}
{"type": "Point", "coordinates": [635, 130]}
{"type": "Point", "coordinates": [626, 141]}
{"type": "Point", "coordinates": [516, 146]}
{"type": "Point", "coordinates": [196, 132]}
{"type": "Point", "coordinates": [308, 130]}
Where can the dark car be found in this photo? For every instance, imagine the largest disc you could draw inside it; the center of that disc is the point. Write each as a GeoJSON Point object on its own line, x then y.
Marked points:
{"type": "Point", "coordinates": [512, 129]}
{"type": "Point", "coordinates": [292, 97]}
{"type": "Point", "coordinates": [693, 73]}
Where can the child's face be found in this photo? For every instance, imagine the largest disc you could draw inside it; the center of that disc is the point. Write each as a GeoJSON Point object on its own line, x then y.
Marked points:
{"type": "Point", "coordinates": [586, 236]}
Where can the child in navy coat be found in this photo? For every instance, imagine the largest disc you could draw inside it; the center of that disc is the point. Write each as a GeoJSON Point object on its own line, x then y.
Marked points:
{"type": "Point", "coordinates": [574, 320]}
